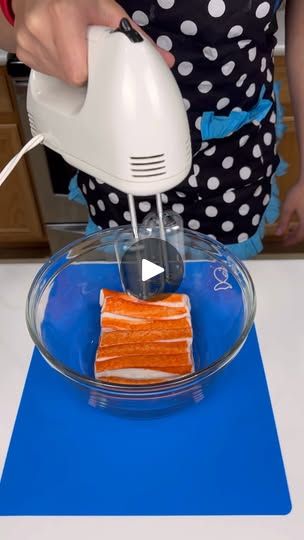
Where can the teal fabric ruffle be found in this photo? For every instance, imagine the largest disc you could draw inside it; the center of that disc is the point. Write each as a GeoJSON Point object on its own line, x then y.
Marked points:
{"type": "Point", "coordinates": [218, 127]}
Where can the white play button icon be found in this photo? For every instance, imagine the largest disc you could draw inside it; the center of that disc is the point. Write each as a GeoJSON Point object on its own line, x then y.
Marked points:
{"type": "Point", "coordinates": [150, 270]}
{"type": "Point", "coordinates": [151, 267]}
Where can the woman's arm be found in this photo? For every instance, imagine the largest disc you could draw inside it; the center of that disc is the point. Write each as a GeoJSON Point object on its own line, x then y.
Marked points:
{"type": "Point", "coordinates": [294, 53]}
{"type": "Point", "coordinates": [7, 35]}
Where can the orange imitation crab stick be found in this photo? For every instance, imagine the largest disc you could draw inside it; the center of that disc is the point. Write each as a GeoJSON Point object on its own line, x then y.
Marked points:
{"type": "Point", "coordinates": [119, 306]}
{"type": "Point", "coordinates": [174, 300]}
{"type": "Point", "coordinates": [119, 322]}
{"type": "Point", "coordinates": [144, 342]}
{"type": "Point", "coordinates": [152, 347]}
{"type": "Point", "coordinates": [144, 336]}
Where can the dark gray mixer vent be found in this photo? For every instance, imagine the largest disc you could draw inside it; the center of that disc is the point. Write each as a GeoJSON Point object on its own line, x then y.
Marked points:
{"type": "Point", "coordinates": [146, 166]}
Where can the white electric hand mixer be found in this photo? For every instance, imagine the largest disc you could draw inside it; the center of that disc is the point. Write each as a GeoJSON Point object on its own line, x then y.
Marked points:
{"type": "Point", "coordinates": [127, 126]}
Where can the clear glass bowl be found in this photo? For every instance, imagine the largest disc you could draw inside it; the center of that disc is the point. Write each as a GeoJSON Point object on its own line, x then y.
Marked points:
{"type": "Point", "coordinates": [63, 318]}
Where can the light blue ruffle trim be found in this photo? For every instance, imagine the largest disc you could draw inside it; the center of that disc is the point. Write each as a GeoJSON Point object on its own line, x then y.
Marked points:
{"type": "Point", "coordinates": [254, 245]}
{"type": "Point", "coordinates": [76, 195]}
{"type": "Point", "coordinates": [218, 127]}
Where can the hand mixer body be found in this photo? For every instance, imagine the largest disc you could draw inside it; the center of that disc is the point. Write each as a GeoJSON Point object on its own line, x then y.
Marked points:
{"type": "Point", "coordinates": [128, 126]}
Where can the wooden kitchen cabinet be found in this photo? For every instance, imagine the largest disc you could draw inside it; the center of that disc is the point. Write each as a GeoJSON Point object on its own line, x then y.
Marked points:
{"type": "Point", "coordinates": [20, 224]}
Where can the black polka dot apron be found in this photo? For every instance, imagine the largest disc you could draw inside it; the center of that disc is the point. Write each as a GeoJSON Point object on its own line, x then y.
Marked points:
{"type": "Point", "coordinates": [224, 66]}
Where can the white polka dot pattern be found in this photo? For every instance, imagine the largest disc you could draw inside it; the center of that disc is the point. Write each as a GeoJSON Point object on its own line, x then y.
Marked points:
{"type": "Point", "coordinates": [244, 43]}
{"type": "Point", "coordinates": [185, 68]}
{"type": "Point", "coordinates": [164, 42]}
{"type": "Point", "coordinates": [258, 191]}
{"type": "Point", "coordinates": [216, 8]}
{"type": "Point", "coordinates": [213, 183]}
{"type": "Point", "coordinates": [229, 196]}
{"type": "Point", "coordinates": [256, 220]}
{"type": "Point", "coordinates": [101, 205]}
{"type": "Point", "coordinates": [245, 173]}
{"type": "Point", "coordinates": [112, 223]}
{"type": "Point", "coordinates": [266, 200]}
{"type": "Point", "coordinates": [210, 53]}
{"type": "Point", "coordinates": [244, 209]}
{"type": "Point", "coordinates": [222, 103]}
{"type": "Point", "coordinates": [252, 54]}
{"type": "Point", "coordinates": [189, 28]}
{"type": "Point", "coordinates": [140, 18]}
{"type": "Point", "coordinates": [227, 162]}
{"type": "Point", "coordinates": [243, 140]}
{"type": "Point", "coordinates": [187, 104]}
{"type": "Point", "coordinates": [242, 237]}
{"type": "Point", "coordinates": [257, 151]}
{"type": "Point", "coordinates": [113, 197]}
{"type": "Point", "coordinates": [267, 139]}
{"type": "Point", "coordinates": [235, 31]}
{"type": "Point", "coordinates": [241, 80]}
{"type": "Point", "coordinates": [198, 122]}
{"type": "Point", "coordinates": [251, 90]}
{"type": "Point", "coordinates": [211, 211]}
{"type": "Point", "coordinates": [196, 169]}
{"type": "Point", "coordinates": [227, 226]}
{"type": "Point", "coordinates": [262, 10]}
{"type": "Point", "coordinates": [194, 224]}
{"type": "Point", "coordinates": [144, 206]}
{"type": "Point", "coordinates": [228, 68]}
{"type": "Point", "coordinates": [178, 208]}
{"type": "Point", "coordinates": [204, 87]}
{"type": "Point", "coordinates": [193, 181]}
{"type": "Point", "coordinates": [166, 4]}
{"type": "Point", "coordinates": [210, 151]}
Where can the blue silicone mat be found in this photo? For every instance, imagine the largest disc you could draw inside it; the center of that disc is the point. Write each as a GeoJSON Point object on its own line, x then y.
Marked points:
{"type": "Point", "coordinates": [219, 457]}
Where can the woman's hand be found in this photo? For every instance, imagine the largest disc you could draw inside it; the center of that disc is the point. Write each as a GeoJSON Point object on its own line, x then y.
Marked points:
{"type": "Point", "coordinates": [51, 34]}
{"type": "Point", "coordinates": [293, 205]}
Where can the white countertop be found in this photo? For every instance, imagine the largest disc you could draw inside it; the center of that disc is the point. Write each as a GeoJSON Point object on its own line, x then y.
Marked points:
{"type": "Point", "coordinates": [280, 292]}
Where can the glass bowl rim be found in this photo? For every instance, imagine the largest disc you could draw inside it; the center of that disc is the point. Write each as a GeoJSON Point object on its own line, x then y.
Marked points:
{"type": "Point", "coordinates": [116, 388]}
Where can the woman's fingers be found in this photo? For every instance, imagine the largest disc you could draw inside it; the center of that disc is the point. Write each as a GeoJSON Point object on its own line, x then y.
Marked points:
{"type": "Point", "coordinates": [51, 34]}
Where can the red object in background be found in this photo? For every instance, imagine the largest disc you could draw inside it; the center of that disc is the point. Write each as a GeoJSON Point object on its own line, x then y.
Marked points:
{"type": "Point", "coordinates": [7, 10]}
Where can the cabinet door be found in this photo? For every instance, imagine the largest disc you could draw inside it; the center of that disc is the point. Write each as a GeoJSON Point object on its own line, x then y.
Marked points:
{"type": "Point", "coordinates": [19, 218]}
{"type": "Point", "coordinates": [288, 150]}
{"type": "Point", "coordinates": [5, 100]}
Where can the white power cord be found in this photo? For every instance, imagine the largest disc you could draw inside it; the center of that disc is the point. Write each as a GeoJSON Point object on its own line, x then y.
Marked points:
{"type": "Point", "coordinates": [38, 139]}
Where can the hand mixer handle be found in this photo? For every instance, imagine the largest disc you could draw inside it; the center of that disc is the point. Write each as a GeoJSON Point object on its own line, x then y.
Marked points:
{"type": "Point", "coordinates": [52, 94]}
{"type": "Point", "coordinates": [128, 125]}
